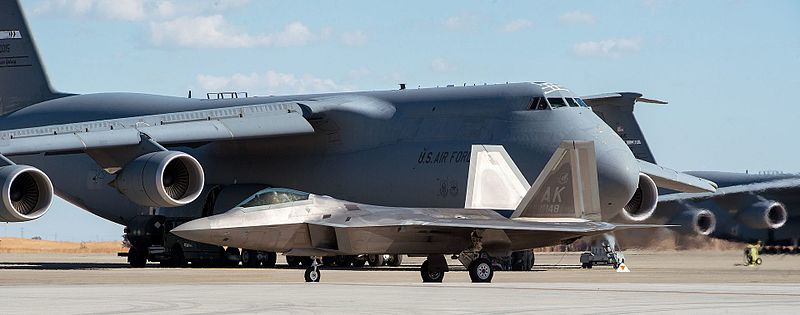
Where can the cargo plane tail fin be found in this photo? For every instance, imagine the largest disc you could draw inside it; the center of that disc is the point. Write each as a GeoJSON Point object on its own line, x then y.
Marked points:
{"type": "Point", "coordinates": [22, 74]}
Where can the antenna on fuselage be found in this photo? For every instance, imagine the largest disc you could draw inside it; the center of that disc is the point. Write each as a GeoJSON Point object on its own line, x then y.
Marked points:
{"type": "Point", "coordinates": [190, 93]}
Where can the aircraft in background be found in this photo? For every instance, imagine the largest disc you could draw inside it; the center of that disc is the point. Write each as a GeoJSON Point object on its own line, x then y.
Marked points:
{"type": "Point", "coordinates": [148, 161]}
{"type": "Point", "coordinates": [745, 208]}
{"type": "Point", "coordinates": [562, 205]}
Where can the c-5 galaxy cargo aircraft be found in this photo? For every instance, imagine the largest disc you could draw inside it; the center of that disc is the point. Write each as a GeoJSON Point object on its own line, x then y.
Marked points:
{"type": "Point", "coordinates": [562, 205]}
{"type": "Point", "coordinates": [745, 208]}
{"type": "Point", "coordinates": [122, 156]}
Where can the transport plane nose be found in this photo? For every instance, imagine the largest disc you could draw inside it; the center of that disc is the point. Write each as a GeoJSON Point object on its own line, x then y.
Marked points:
{"type": "Point", "coordinates": [617, 173]}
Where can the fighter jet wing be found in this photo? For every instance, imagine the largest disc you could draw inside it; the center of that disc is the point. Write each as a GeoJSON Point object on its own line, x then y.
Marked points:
{"type": "Point", "coordinates": [463, 219]}
{"type": "Point", "coordinates": [671, 179]}
{"type": "Point", "coordinates": [240, 122]}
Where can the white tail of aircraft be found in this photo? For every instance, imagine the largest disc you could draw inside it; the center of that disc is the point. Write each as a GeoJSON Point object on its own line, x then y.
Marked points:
{"type": "Point", "coordinates": [566, 187]}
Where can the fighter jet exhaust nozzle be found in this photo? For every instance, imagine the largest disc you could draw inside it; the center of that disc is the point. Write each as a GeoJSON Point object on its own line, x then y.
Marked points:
{"type": "Point", "coordinates": [161, 179]}
{"type": "Point", "coordinates": [644, 200]}
{"type": "Point", "coordinates": [26, 193]}
{"type": "Point", "coordinates": [701, 222]}
{"type": "Point", "coordinates": [764, 215]}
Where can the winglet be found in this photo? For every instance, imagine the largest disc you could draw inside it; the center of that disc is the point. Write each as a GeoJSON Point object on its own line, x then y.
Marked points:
{"type": "Point", "coordinates": [494, 180]}
{"type": "Point", "coordinates": [566, 187]}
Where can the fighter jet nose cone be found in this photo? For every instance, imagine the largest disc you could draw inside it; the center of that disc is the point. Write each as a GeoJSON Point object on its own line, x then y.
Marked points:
{"type": "Point", "coordinates": [618, 177]}
{"type": "Point", "coordinates": [193, 230]}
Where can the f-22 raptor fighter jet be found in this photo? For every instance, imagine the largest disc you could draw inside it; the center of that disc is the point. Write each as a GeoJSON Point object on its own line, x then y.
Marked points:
{"type": "Point", "coordinates": [561, 206]}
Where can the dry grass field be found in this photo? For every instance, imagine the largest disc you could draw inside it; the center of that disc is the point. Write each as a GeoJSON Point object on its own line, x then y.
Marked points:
{"type": "Point", "coordinates": [24, 245]}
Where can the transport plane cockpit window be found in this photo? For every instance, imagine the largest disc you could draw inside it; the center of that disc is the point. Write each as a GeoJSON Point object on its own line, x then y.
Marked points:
{"type": "Point", "coordinates": [273, 196]}
{"type": "Point", "coordinates": [539, 103]}
{"type": "Point", "coordinates": [581, 102]}
{"type": "Point", "coordinates": [556, 102]}
{"type": "Point", "coordinates": [572, 102]}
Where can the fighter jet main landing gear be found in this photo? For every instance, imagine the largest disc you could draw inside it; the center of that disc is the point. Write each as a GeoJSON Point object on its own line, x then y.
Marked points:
{"type": "Point", "coordinates": [312, 273]}
{"type": "Point", "coordinates": [480, 270]}
{"type": "Point", "coordinates": [433, 268]}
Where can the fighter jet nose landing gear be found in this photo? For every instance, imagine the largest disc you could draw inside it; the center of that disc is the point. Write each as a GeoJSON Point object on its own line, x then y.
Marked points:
{"type": "Point", "coordinates": [312, 273]}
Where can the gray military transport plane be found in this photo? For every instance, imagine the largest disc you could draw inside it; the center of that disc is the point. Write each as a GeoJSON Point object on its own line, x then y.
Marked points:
{"type": "Point", "coordinates": [562, 205]}
{"type": "Point", "coordinates": [745, 208]}
{"type": "Point", "coordinates": [140, 160]}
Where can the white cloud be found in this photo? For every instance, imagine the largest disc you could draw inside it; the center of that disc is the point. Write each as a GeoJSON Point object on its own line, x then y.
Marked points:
{"type": "Point", "coordinates": [269, 83]}
{"type": "Point", "coordinates": [577, 17]}
{"type": "Point", "coordinates": [516, 25]}
{"type": "Point", "coordinates": [355, 38]}
{"type": "Point", "coordinates": [441, 65]}
{"type": "Point", "coordinates": [214, 32]}
{"type": "Point", "coordinates": [461, 22]}
{"type": "Point", "coordinates": [128, 10]}
{"type": "Point", "coordinates": [607, 48]}
{"type": "Point", "coordinates": [166, 9]}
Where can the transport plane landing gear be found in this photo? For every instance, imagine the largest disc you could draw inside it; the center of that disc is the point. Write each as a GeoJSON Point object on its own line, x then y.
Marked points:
{"type": "Point", "coordinates": [433, 268]}
{"type": "Point", "coordinates": [312, 272]}
{"type": "Point", "coordinates": [480, 270]}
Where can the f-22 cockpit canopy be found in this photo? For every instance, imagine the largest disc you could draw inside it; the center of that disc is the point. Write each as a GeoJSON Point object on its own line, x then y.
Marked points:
{"type": "Point", "coordinates": [273, 196]}
{"type": "Point", "coordinates": [555, 97]}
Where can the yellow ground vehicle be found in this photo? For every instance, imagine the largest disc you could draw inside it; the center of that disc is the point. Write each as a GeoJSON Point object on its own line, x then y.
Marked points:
{"type": "Point", "coordinates": [751, 257]}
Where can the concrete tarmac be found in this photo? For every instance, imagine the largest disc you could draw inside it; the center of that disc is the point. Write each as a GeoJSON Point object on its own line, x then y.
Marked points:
{"type": "Point", "coordinates": [661, 282]}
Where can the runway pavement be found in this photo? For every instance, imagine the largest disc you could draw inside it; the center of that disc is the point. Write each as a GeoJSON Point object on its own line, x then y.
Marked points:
{"type": "Point", "coordinates": [661, 282]}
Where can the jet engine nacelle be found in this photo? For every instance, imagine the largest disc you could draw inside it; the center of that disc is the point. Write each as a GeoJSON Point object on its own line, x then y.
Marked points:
{"type": "Point", "coordinates": [698, 221]}
{"type": "Point", "coordinates": [765, 214]}
{"type": "Point", "coordinates": [161, 179]}
{"type": "Point", "coordinates": [26, 193]}
{"type": "Point", "coordinates": [644, 200]}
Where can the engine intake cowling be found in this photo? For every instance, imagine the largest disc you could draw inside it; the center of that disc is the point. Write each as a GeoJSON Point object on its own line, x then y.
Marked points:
{"type": "Point", "coordinates": [702, 221]}
{"type": "Point", "coordinates": [644, 200]}
{"type": "Point", "coordinates": [161, 179]}
{"type": "Point", "coordinates": [765, 214]}
{"type": "Point", "coordinates": [26, 193]}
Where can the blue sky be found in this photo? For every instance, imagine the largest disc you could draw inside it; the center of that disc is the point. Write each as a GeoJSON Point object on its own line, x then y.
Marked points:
{"type": "Point", "coordinates": [728, 68]}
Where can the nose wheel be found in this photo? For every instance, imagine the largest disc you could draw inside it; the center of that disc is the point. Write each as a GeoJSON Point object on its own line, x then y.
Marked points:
{"type": "Point", "coordinates": [312, 273]}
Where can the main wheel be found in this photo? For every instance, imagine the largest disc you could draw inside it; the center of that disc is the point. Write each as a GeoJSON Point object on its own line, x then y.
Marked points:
{"type": "Point", "coordinates": [428, 275]}
{"type": "Point", "coordinates": [480, 270]}
{"type": "Point", "coordinates": [359, 262]}
{"type": "Point", "coordinates": [312, 274]}
{"type": "Point", "coordinates": [522, 260]}
{"type": "Point", "coordinates": [177, 257]}
{"type": "Point", "coordinates": [758, 261]}
{"type": "Point", "coordinates": [375, 260]}
{"type": "Point", "coordinates": [395, 260]}
{"type": "Point", "coordinates": [135, 258]}
{"type": "Point", "coordinates": [232, 257]}
{"type": "Point", "coordinates": [268, 259]}
{"type": "Point", "coordinates": [249, 258]}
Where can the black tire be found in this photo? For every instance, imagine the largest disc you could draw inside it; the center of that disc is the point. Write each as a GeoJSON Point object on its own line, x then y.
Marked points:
{"type": "Point", "coordinates": [136, 259]}
{"type": "Point", "coordinates": [480, 270]}
{"type": "Point", "coordinates": [293, 261]}
{"type": "Point", "coordinates": [178, 260]}
{"type": "Point", "coordinates": [522, 260]}
{"type": "Point", "coordinates": [429, 276]}
{"type": "Point", "coordinates": [395, 260]}
{"type": "Point", "coordinates": [232, 257]}
{"type": "Point", "coordinates": [758, 261]}
{"type": "Point", "coordinates": [375, 260]}
{"type": "Point", "coordinates": [268, 259]}
{"type": "Point", "coordinates": [249, 258]}
{"type": "Point", "coordinates": [312, 274]}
